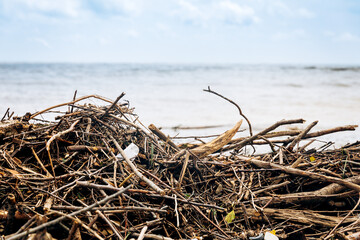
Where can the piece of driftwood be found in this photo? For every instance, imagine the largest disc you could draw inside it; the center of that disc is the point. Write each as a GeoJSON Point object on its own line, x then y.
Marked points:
{"type": "Point", "coordinates": [162, 136]}
{"type": "Point", "coordinates": [217, 143]}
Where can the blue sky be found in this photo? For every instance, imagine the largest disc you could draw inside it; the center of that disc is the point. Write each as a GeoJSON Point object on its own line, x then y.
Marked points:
{"type": "Point", "coordinates": [180, 31]}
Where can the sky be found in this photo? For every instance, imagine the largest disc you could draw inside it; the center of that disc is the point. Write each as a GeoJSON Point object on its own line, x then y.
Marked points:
{"type": "Point", "coordinates": [181, 31]}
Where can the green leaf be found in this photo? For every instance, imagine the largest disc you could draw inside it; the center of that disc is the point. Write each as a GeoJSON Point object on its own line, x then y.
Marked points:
{"type": "Point", "coordinates": [230, 217]}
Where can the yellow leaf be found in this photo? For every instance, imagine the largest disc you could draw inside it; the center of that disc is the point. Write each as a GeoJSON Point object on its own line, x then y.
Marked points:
{"type": "Point", "coordinates": [230, 217]}
{"type": "Point", "coordinates": [312, 159]}
{"type": "Point", "coordinates": [273, 231]}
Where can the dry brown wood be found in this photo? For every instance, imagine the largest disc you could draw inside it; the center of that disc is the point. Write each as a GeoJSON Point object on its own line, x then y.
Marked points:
{"type": "Point", "coordinates": [331, 190]}
{"type": "Point", "coordinates": [182, 173]}
{"type": "Point", "coordinates": [300, 136]}
{"type": "Point", "coordinates": [153, 236]}
{"type": "Point", "coordinates": [299, 216]}
{"type": "Point", "coordinates": [329, 235]}
{"type": "Point", "coordinates": [57, 136]}
{"type": "Point", "coordinates": [211, 185]}
{"type": "Point", "coordinates": [217, 143]}
{"type": "Point", "coordinates": [312, 175]}
{"type": "Point", "coordinates": [270, 135]}
{"type": "Point", "coordinates": [74, 233]}
{"type": "Point", "coordinates": [69, 103]}
{"type": "Point", "coordinates": [109, 209]}
{"type": "Point", "coordinates": [11, 127]}
{"type": "Point", "coordinates": [88, 148]}
{"type": "Point", "coordinates": [261, 133]}
{"type": "Point", "coordinates": [111, 225]}
{"type": "Point", "coordinates": [163, 137]}
{"type": "Point", "coordinates": [312, 135]}
{"type": "Point", "coordinates": [58, 220]}
{"type": "Point", "coordinates": [271, 187]}
{"type": "Point", "coordinates": [48, 174]}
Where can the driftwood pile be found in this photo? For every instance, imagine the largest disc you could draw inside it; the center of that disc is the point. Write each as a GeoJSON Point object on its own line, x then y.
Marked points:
{"type": "Point", "coordinates": [98, 173]}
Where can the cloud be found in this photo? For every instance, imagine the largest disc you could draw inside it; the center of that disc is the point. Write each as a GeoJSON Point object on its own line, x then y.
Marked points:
{"type": "Point", "coordinates": [342, 37]}
{"type": "Point", "coordinates": [189, 6]}
{"type": "Point", "coordinates": [191, 13]}
{"type": "Point", "coordinates": [26, 8]}
{"type": "Point", "coordinates": [297, 33]}
{"type": "Point", "coordinates": [238, 14]}
{"type": "Point", "coordinates": [213, 12]}
{"type": "Point", "coordinates": [103, 41]}
{"type": "Point", "coordinates": [115, 7]}
{"type": "Point", "coordinates": [132, 33]}
{"type": "Point", "coordinates": [132, 6]}
{"type": "Point", "coordinates": [42, 42]}
{"type": "Point", "coordinates": [305, 13]}
{"type": "Point", "coordinates": [161, 27]}
{"type": "Point", "coordinates": [347, 37]}
{"type": "Point", "coordinates": [329, 33]}
{"type": "Point", "coordinates": [277, 7]}
{"type": "Point", "coordinates": [70, 8]}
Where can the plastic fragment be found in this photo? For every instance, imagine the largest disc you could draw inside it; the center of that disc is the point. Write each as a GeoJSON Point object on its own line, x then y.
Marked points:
{"type": "Point", "coordinates": [270, 236]}
{"type": "Point", "coordinates": [259, 237]}
{"type": "Point", "coordinates": [131, 152]}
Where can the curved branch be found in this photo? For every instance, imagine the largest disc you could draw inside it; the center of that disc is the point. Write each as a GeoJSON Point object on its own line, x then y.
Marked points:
{"type": "Point", "coordinates": [237, 106]}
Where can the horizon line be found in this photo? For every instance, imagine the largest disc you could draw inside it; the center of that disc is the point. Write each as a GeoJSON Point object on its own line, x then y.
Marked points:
{"type": "Point", "coordinates": [181, 63]}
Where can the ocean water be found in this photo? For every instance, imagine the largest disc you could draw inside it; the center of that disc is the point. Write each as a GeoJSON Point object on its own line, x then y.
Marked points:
{"type": "Point", "coordinates": [170, 95]}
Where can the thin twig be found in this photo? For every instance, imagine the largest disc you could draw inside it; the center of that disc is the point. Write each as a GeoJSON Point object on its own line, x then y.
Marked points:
{"type": "Point", "coordinates": [329, 235]}
{"type": "Point", "coordinates": [237, 106]}
{"type": "Point", "coordinates": [58, 220]}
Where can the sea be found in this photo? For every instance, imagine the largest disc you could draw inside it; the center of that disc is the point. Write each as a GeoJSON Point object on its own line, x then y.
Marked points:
{"type": "Point", "coordinates": [172, 96]}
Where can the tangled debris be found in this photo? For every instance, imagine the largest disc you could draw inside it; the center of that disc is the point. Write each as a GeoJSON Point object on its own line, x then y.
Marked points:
{"type": "Point", "coordinates": [98, 173]}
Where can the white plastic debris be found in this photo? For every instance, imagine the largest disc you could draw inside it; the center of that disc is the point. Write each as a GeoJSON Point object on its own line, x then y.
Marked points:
{"type": "Point", "coordinates": [131, 152]}
{"type": "Point", "coordinates": [270, 236]}
{"type": "Point", "coordinates": [259, 237]}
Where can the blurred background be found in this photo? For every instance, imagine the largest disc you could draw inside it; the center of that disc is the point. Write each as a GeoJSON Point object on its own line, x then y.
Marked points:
{"type": "Point", "coordinates": [276, 59]}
